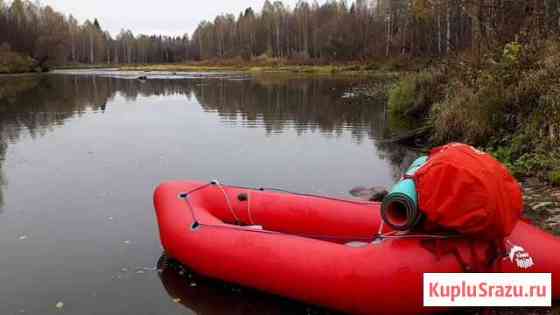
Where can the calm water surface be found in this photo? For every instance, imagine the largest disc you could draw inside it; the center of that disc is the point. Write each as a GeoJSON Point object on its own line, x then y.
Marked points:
{"type": "Point", "coordinates": [81, 154]}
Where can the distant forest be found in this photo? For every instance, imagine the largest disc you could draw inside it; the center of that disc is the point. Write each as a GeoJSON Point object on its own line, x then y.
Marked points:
{"type": "Point", "coordinates": [334, 31]}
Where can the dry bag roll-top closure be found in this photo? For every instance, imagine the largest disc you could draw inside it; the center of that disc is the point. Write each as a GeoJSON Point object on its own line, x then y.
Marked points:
{"type": "Point", "coordinates": [455, 189]}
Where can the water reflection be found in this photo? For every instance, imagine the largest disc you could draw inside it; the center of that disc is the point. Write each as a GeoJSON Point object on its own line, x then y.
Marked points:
{"type": "Point", "coordinates": [34, 105]}
{"type": "Point", "coordinates": [89, 150]}
{"type": "Point", "coordinates": [276, 104]}
{"type": "Point", "coordinates": [305, 104]}
{"type": "Point", "coordinates": [302, 104]}
{"type": "Point", "coordinates": [208, 297]}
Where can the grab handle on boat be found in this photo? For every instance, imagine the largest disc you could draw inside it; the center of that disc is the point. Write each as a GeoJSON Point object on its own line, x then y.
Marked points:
{"type": "Point", "coordinates": [228, 201]}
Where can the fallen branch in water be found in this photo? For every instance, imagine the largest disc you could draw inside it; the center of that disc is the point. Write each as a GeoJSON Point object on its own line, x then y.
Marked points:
{"type": "Point", "coordinates": [412, 138]}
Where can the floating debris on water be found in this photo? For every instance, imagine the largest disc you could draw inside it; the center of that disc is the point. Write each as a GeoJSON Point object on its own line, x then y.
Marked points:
{"type": "Point", "coordinates": [349, 95]}
{"type": "Point", "coordinates": [376, 193]}
{"type": "Point", "coordinates": [124, 269]}
{"type": "Point", "coordinates": [59, 305]}
{"type": "Point", "coordinates": [127, 242]}
{"type": "Point", "coordinates": [110, 218]}
{"type": "Point", "coordinates": [23, 237]}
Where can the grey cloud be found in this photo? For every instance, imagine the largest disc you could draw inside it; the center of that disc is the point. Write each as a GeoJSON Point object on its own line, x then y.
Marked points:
{"type": "Point", "coordinates": [170, 17]}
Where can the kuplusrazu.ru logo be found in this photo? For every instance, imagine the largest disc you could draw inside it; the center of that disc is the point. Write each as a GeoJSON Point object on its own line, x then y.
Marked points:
{"type": "Point", "coordinates": [487, 289]}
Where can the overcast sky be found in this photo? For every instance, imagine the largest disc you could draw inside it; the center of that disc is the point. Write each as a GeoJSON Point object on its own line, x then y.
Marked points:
{"type": "Point", "coordinates": [169, 17]}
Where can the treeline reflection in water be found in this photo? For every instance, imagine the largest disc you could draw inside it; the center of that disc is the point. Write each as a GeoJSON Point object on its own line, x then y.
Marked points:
{"type": "Point", "coordinates": [34, 105]}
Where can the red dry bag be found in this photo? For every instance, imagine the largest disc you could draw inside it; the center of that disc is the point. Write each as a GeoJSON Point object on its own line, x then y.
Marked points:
{"type": "Point", "coordinates": [465, 190]}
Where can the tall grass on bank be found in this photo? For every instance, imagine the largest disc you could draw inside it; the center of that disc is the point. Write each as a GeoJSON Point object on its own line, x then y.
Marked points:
{"type": "Point", "coordinates": [509, 105]}
{"type": "Point", "coordinates": [12, 62]}
{"type": "Point", "coordinates": [413, 95]}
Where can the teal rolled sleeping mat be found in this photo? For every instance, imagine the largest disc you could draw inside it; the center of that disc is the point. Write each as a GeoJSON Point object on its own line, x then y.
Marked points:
{"type": "Point", "coordinates": [400, 207]}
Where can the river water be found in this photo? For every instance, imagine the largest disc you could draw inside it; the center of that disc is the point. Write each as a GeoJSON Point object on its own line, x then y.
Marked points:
{"type": "Point", "coordinates": [81, 152]}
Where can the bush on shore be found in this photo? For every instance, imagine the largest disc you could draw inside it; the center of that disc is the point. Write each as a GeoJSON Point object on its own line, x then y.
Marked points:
{"type": "Point", "coordinates": [509, 105]}
{"type": "Point", "coordinates": [554, 178]}
{"type": "Point", "coordinates": [469, 115]}
{"type": "Point", "coordinates": [413, 95]}
{"type": "Point", "coordinates": [12, 62]}
{"type": "Point", "coordinates": [532, 117]}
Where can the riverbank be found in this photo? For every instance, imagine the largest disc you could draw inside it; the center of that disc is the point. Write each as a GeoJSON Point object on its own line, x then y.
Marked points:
{"type": "Point", "coordinates": [15, 63]}
{"type": "Point", "coordinates": [542, 204]}
{"type": "Point", "coordinates": [392, 66]}
{"type": "Point", "coordinates": [257, 69]}
{"type": "Point", "coordinates": [507, 104]}
{"type": "Point", "coordinates": [20, 74]}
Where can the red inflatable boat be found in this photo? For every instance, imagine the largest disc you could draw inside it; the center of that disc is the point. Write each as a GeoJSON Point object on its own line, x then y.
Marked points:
{"type": "Point", "coordinates": [326, 251]}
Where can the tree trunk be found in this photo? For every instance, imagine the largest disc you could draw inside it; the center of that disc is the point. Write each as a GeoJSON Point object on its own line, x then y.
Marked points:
{"type": "Point", "coordinates": [439, 31]}
{"type": "Point", "coordinates": [305, 40]}
{"type": "Point", "coordinates": [388, 48]}
{"type": "Point", "coordinates": [278, 49]}
{"type": "Point", "coordinates": [91, 52]}
{"type": "Point", "coordinates": [448, 37]}
{"type": "Point", "coordinates": [73, 48]}
{"type": "Point", "coordinates": [558, 14]}
{"type": "Point", "coordinates": [477, 30]}
{"type": "Point", "coordinates": [404, 37]}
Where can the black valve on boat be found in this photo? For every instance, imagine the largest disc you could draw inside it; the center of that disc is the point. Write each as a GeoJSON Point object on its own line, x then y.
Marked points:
{"type": "Point", "coordinates": [242, 197]}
